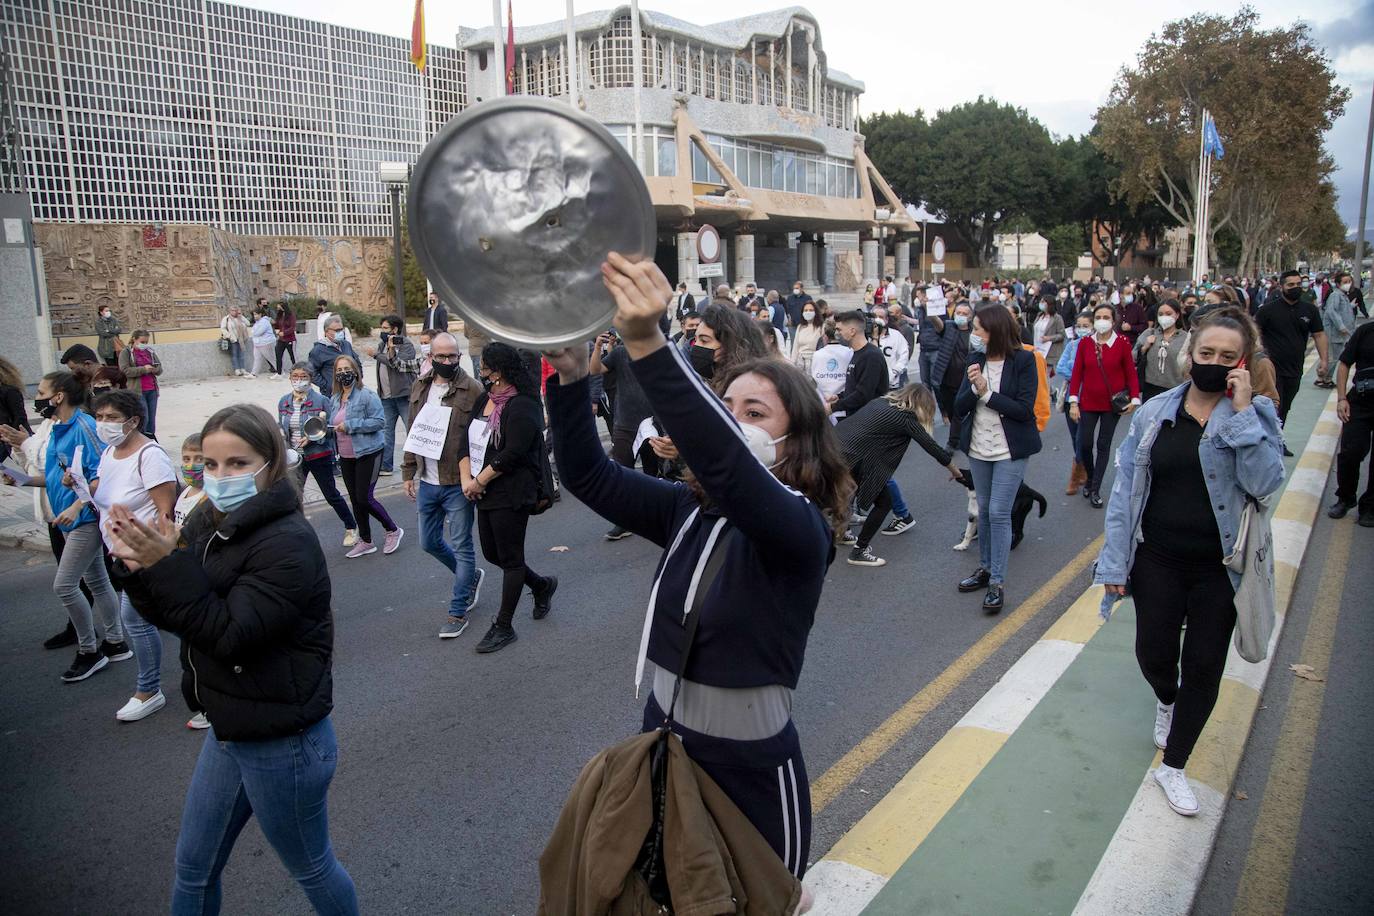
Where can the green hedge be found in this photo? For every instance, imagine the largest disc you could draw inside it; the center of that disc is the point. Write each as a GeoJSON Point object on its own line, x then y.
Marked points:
{"type": "Point", "coordinates": [359, 323]}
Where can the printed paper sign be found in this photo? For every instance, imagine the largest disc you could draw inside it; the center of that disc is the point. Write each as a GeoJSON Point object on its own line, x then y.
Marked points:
{"type": "Point", "coordinates": [479, 433]}
{"type": "Point", "coordinates": [428, 432]}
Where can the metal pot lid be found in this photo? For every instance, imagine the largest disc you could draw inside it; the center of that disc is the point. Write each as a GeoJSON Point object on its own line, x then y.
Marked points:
{"type": "Point", "coordinates": [513, 207]}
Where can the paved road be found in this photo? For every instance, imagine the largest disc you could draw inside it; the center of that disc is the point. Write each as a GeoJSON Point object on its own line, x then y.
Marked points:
{"type": "Point", "coordinates": [453, 766]}
{"type": "Point", "coordinates": [1302, 839]}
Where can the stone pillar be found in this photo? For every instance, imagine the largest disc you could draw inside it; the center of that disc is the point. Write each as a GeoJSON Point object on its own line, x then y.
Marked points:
{"type": "Point", "coordinates": [806, 261]}
{"type": "Point", "coordinates": [872, 268]}
{"type": "Point", "coordinates": [687, 261]}
{"type": "Point", "coordinates": [825, 265]}
{"type": "Point", "coordinates": [744, 259]}
{"type": "Point", "coordinates": [902, 265]}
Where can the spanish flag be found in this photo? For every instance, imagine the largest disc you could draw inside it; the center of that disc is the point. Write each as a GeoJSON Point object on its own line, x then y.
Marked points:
{"type": "Point", "coordinates": [417, 37]}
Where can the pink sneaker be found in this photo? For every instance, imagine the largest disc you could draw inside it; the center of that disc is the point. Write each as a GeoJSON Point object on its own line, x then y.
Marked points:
{"type": "Point", "coordinates": [393, 540]}
{"type": "Point", "coordinates": [361, 549]}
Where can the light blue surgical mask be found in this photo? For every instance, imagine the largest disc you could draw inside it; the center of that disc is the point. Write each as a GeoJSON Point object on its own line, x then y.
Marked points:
{"type": "Point", "coordinates": [977, 344]}
{"type": "Point", "coordinates": [228, 493]}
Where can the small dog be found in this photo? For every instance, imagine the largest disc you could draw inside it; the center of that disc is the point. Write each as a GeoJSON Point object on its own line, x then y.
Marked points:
{"type": "Point", "coordinates": [1020, 509]}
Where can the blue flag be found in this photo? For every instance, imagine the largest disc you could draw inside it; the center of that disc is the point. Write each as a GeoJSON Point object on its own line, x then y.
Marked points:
{"type": "Point", "coordinates": [1211, 140]}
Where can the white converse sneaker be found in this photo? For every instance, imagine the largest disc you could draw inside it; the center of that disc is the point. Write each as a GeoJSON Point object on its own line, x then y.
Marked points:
{"type": "Point", "coordinates": [137, 709]}
{"type": "Point", "coordinates": [1164, 720]}
{"type": "Point", "coordinates": [1176, 790]}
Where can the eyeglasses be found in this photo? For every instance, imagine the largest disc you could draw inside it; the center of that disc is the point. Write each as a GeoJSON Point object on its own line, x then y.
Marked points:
{"type": "Point", "coordinates": [444, 357]}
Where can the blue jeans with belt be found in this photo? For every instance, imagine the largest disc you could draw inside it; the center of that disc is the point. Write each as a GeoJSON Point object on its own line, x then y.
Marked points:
{"type": "Point", "coordinates": [995, 484]}
{"type": "Point", "coordinates": [446, 535]}
{"type": "Point", "coordinates": [284, 781]}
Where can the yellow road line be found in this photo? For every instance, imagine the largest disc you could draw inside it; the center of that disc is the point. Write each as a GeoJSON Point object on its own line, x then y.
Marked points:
{"type": "Point", "coordinates": [1264, 882]}
{"type": "Point", "coordinates": [845, 770]}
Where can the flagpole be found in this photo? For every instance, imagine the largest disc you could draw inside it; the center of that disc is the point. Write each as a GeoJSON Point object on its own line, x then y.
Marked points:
{"type": "Point", "coordinates": [572, 58]}
{"type": "Point", "coordinates": [1200, 211]}
{"type": "Point", "coordinates": [498, 48]}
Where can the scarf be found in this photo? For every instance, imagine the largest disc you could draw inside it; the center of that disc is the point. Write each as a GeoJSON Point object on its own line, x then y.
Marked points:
{"type": "Point", "coordinates": [500, 399]}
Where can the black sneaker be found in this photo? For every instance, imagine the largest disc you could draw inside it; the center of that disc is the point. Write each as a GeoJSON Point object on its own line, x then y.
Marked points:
{"type": "Point", "coordinates": [980, 579]}
{"type": "Point", "coordinates": [86, 664]}
{"type": "Point", "coordinates": [116, 651]}
{"type": "Point", "coordinates": [1366, 519]}
{"type": "Point", "coordinates": [863, 556]}
{"type": "Point", "coordinates": [62, 640]}
{"type": "Point", "coordinates": [992, 601]}
{"type": "Point", "coordinates": [899, 525]}
{"type": "Point", "coordinates": [1340, 508]}
{"type": "Point", "coordinates": [543, 597]}
{"type": "Point", "coordinates": [1286, 452]}
{"type": "Point", "coordinates": [1095, 500]}
{"type": "Point", "coordinates": [617, 533]}
{"type": "Point", "coordinates": [497, 638]}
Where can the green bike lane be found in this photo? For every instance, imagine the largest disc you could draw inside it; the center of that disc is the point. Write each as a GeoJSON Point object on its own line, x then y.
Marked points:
{"type": "Point", "coordinates": [1029, 832]}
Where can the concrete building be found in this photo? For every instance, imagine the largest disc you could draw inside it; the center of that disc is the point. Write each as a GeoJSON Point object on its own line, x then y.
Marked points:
{"type": "Point", "coordinates": [180, 156]}
{"type": "Point", "coordinates": [1020, 250]}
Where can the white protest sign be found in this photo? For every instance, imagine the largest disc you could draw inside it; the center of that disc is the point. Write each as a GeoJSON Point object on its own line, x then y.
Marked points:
{"type": "Point", "coordinates": [646, 429]}
{"type": "Point", "coordinates": [428, 432]}
{"type": "Point", "coordinates": [479, 433]}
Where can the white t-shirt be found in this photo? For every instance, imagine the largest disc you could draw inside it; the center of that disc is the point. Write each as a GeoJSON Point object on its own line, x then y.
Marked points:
{"type": "Point", "coordinates": [429, 470]}
{"type": "Point", "coordinates": [124, 483]}
{"type": "Point", "coordinates": [188, 500]}
{"type": "Point", "coordinates": [829, 367]}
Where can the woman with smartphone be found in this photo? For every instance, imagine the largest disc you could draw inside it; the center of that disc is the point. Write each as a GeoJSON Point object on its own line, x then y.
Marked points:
{"type": "Point", "coordinates": [1209, 444]}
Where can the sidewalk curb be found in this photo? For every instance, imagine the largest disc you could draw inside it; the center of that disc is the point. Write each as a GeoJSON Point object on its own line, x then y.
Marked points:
{"type": "Point", "coordinates": [1155, 860]}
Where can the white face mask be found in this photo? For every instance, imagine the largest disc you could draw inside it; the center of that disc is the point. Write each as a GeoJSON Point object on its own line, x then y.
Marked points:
{"type": "Point", "coordinates": [424, 349]}
{"type": "Point", "coordinates": [1128, 298]}
{"type": "Point", "coordinates": [300, 386]}
{"type": "Point", "coordinates": [1345, 287]}
{"type": "Point", "coordinates": [961, 321]}
{"type": "Point", "coordinates": [808, 316]}
{"type": "Point", "coordinates": [112, 432]}
{"type": "Point", "coordinates": [1102, 325]}
{"type": "Point", "coordinates": [1083, 332]}
{"type": "Point", "coordinates": [1166, 321]}
{"type": "Point", "coordinates": [762, 447]}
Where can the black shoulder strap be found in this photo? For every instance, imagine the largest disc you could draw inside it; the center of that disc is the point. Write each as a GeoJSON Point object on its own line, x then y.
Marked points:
{"type": "Point", "coordinates": [708, 578]}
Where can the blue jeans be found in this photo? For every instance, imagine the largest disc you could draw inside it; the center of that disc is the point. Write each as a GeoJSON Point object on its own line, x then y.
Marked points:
{"type": "Point", "coordinates": [899, 506]}
{"type": "Point", "coordinates": [236, 355]}
{"type": "Point", "coordinates": [284, 782]}
{"type": "Point", "coordinates": [150, 406]}
{"type": "Point", "coordinates": [446, 535]}
{"type": "Point", "coordinates": [995, 484]}
{"type": "Point", "coordinates": [393, 409]}
{"type": "Point", "coordinates": [146, 641]}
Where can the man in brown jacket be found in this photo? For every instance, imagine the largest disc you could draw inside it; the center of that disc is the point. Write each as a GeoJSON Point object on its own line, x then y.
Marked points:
{"type": "Point", "coordinates": [440, 407]}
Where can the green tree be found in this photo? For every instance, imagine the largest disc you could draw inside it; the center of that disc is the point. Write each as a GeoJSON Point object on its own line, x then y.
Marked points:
{"type": "Point", "coordinates": [413, 280]}
{"type": "Point", "coordinates": [1067, 242]}
{"type": "Point", "coordinates": [1269, 92]}
{"type": "Point", "coordinates": [897, 145]}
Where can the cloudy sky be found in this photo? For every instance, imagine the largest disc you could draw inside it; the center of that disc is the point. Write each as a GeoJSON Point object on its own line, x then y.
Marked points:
{"type": "Point", "coordinates": [1056, 60]}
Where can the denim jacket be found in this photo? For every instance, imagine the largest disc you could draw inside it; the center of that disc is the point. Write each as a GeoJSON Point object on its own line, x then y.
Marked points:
{"type": "Point", "coordinates": [1241, 453]}
{"type": "Point", "coordinates": [313, 404]}
{"type": "Point", "coordinates": [363, 420]}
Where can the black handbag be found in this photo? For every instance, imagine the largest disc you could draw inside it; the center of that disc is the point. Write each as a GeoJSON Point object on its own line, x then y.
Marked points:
{"type": "Point", "coordinates": [1120, 399]}
{"type": "Point", "coordinates": [649, 863]}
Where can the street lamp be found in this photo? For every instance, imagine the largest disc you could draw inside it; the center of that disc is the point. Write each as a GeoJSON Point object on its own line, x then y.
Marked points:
{"type": "Point", "coordinates": [395, 175]}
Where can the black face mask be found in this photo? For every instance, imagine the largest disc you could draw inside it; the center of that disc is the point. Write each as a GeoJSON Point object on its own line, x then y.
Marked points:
{"type": "Point", "coordinates": [704, 361]}
{"type": "Point", "coordinates": [1210, 377]}
{"type": "Point", "coordinates": [44, 408]}
{"type": "Point", "coordinates": [1292, 295]}
{"type": "Point", "coordinates": [446, 370]}
{"type": "Point", "coordinates": [486, 381]}
{"type": "Point", "coordinates": [347, 379]}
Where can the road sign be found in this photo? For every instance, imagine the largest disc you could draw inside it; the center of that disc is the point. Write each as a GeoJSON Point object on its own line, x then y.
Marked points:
{"type": "Point", "coordinates": [711, 270]}
{"type": "Point", "coordinates": [708, 246]}
{"type": "Point", "coordinates": [937, 251]}
{"type": "Point", "coordinates": [937, 268]}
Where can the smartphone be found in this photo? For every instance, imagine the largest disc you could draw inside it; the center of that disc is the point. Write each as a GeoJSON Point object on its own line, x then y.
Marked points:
{"type": "Point", "coordinates": [1231, 389]}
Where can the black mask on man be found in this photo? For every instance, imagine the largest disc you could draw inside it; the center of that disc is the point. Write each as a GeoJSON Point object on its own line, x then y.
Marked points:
{"type": "Point", "coordinates": [1292, 295]}
{"type": "Point", "coordinates": [446, 371]}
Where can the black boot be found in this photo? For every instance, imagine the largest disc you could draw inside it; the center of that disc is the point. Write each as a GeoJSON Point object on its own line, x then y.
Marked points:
{"type": "Point", "coordinates": [980, 579]}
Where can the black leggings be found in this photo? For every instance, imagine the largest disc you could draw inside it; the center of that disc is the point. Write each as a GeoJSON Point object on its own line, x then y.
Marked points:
{"type": "Point", "coordinates": [1104, 423]}
{"type": "Point", "coordinates": [285, 346]}
{"type": "Point", "coordinates": [876, 516]}
{"type": "Point", "coordinates": [1167, 593]}
{"type": "Point", "coordinates": [502, 533]}
{"type": "Point", "coordinates": [359, 477]}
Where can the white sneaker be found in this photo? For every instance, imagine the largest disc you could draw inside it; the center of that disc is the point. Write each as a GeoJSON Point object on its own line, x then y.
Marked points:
{"type": "Point", "coordinates": [198, 721]}
{"type": "Point", "coordinates": [275, 375]}
{"type": "Point", "coordinates": [1164, 720]}
{"type": "Point", "coordinates": [238, 373]}
{"type": "Point", "coordinates": [350, 537]}
{"type": "Point", "coordinates": [249, 375]}
{"type": "Point", "coordinates": [137, 709]}
{"type": "Point", "coordinates": [1176, 790]}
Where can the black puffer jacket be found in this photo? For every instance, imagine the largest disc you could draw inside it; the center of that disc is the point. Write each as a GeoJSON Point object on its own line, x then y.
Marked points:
{"type": "Point", "coordinates": [251, 597]}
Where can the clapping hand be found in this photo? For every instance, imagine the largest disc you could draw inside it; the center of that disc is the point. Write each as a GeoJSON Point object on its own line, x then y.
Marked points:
{"type": "Point", "coordinates": [12, 436]}
{"type": "Point", "coordinates": [137, 544]}
{"type": "Point", "coordinates": [976, 379]}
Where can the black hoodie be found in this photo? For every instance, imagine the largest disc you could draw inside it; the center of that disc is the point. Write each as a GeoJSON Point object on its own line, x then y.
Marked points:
{"type": "Point", "coordinates": [251, 598]}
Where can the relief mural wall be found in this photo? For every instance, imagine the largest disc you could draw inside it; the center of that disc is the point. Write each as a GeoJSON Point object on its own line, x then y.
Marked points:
{"type": "Point", "coordinates": [174, 277]}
